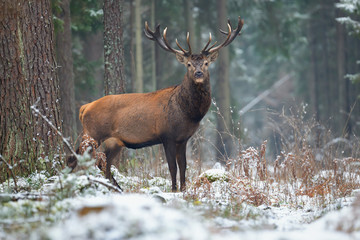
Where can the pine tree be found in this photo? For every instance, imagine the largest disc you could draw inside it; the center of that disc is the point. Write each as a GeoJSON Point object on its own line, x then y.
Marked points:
{"type": "Point", "coordinates": [28, 77]}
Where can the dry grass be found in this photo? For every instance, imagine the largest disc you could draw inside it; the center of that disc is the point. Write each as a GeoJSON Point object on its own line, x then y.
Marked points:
{"type": "Point", "coordinates": [311, 164]}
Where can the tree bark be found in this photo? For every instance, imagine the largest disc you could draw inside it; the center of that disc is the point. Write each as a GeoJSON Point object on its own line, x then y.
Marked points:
{"type": "Point", "coordinates": [113, 47]}
{"type": "Point", "coordinates": [65, 71]}
{"type": "Point", "coordinates": [189, 21]}
{"type": "Point", "coordinates": [153, 45]}
{"type": "Point", "coordinates": [132, 45]}
{"type": "Point", "coordinates": [28, 76]}
{"type": "Point", "coordinates": [139, 85]}
{"type": "Point", "coordinates": [95, 42]}
{"type": "Point", "coordinates": [342, 81]}
{"type": "Point", "coordinates": [326, 79]}
{"type": "Point", "coordinates": [223, 142]}
{"type": "Point", "coordinates": [313, 79]}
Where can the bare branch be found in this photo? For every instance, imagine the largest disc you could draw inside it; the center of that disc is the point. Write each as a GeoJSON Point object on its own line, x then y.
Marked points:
{"type": "Point", "coordinates": [11, 171]}
{"type": "Point", "coordinates": [110, 186]}
{"type": "Point", "coordinates": [67, 144]}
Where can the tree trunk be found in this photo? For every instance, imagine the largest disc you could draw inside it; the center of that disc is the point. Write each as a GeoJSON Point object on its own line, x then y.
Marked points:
{"type": "Point", "coordinates": [113, 47]}
{"type": "Point", "coordinates": [28, 76]}
{"type": "Point", "coordinates": [349, 100]}
{"type": "Point", "coordinates": [326, 79]}
{"type": "Point", "coordinates": [65, 71]}
{"type": "Point", "coordinates": [132, 45]}
{"type": "Point", "coordinates": [95, 42]}
{"type": "Point", "coordinates": [189, 23]}
{"type": "Point", "coordinates": [153, 45]}
{"type": "Point", "coordinates": [188, 13]}
{"type": "Point", "coordinates": [139, 85]}
{"type": "Point", "coordinates": [223, 142]}
{"type": "Point", "coordinates": [313, 80]}
{"type": "Point", "coordinates": [341, 75]}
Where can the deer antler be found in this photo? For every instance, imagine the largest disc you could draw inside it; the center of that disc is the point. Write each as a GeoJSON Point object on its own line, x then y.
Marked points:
{"type": "Point", "coordinates": [231, 35]}
{"type": "Point", "coordinates": [162, 41]}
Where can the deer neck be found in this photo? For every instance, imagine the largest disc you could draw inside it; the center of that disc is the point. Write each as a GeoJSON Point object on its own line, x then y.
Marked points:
{"type": "Point", "coordinates": [193, 98]}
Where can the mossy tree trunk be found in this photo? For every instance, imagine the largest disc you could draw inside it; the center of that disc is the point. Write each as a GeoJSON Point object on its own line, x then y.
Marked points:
{"type": "Point", "coordinates": [113, 47]}
{"type": "Point", "coordinates": [27, 76]}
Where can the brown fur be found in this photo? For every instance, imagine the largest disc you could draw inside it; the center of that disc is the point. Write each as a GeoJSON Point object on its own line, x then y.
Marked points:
{"type": "Point", "coordinates": [168, 116]}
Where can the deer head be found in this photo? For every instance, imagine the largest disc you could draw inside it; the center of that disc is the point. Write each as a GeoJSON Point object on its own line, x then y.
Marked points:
{"type": "Point", "coordinates": [197, 64]}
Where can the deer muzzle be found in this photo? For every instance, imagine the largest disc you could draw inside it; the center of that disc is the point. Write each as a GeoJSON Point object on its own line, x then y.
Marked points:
{"type": "Point", "coordinates": [199, 74]}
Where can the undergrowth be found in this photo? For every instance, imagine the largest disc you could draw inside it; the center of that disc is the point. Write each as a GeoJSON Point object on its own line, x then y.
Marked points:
{"type": "Point", "coordinates": [303, 169]}
{"type": "Point", "coordinates": [313, 169]}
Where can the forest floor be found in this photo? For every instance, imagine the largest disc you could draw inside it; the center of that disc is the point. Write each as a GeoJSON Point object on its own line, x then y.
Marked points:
{"type": "Point", "coordinates": [218, 204]}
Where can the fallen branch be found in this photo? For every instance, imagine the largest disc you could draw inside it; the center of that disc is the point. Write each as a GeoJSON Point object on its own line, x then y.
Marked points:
{"type": "Point", "coordinates": [6, 197]}
{"type": "Point", "coordinates": [110, 186]}
{"type": "Point", "coordinates": [264, 94]}
{"type": "Point", "coordinates": [11, 171]}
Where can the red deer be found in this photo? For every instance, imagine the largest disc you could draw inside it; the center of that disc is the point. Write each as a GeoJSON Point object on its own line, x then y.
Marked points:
{"type": "Point", "coordinates": [168, 116]}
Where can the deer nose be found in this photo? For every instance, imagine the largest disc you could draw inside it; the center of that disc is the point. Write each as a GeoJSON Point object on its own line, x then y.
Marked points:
{"type": "Point", "coordinates": [199, 74]}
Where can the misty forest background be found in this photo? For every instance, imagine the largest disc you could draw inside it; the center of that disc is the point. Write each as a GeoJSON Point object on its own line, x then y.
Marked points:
{"type": "Point", "coordinates": [295, 58]}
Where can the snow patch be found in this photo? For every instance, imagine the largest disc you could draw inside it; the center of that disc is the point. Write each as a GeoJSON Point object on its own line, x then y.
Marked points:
{"type": "Point", "coordinates": [128, 217]}
{"type": "Point", "coordinates": [214, 175]}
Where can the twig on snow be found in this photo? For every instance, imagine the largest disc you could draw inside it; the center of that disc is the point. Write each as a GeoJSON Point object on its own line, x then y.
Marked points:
{"type": "Point", "coordinates": [11, 171]}
{"type": "Point", "coordinates": [5, 197]}
{"type": "Point", "coordinates": [110, 186]}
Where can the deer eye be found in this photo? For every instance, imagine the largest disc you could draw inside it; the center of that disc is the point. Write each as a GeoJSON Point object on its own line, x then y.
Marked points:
{"type": "Point", "coordinates": [189, 64]}
{"type": "Point", "coordinates": [206, 63]}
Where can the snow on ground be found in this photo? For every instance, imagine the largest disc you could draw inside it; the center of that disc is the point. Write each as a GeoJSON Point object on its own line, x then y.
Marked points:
{"type": "Point", "coordinates": [77, 207]}
{"type": "Point", "coordinates": [135, 216]}
{"type": "Point", "coordinates": [128, 217]}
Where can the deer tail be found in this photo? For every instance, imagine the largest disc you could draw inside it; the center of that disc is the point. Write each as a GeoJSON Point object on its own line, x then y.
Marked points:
{"type": "Point", "coordinates": [81, 112]}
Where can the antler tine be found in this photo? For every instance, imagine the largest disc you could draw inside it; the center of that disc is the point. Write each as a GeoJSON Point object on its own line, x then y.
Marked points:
{"type": "Point", "coordinates": [188, 42]}
{"type": "Point", "coordinates": [183, 50]}
{"type": "Point", "coordinates": [231, 35]}
{"type": "Point", "coordinates": [186, 53]}
{"type": "Point", "coordinates": [162, 41]}
{"type": "Point", "coordinates": [168, 45]}
{"type": "Point", "coordinates": [213, 49]}
{"type": "Point", "coordinates": [236, 32]}
{"type": "Point", "coordinates": [148, 33]}
{"type": "Point", "coordinates": [156, 36]}
{"type": "Point", "coordinates": [229, 23]}
{"type": "Point", "coordinates": [212, 46]}
{"type": "Point", "coordinates": [204, 49]}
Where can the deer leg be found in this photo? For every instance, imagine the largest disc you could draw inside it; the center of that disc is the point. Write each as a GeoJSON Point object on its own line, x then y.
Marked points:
{"type": "Point", "coordinates": [112, 149]}
{"type": "Point", "coordinates": [71, 161]}
{"type": "Point", "coordinates": [170, 152]}
{"type": "Point", "coordinates": [181, 161]}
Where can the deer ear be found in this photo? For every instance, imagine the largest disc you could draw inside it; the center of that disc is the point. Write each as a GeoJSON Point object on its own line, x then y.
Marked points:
{"type": "Point", "coordinates": [181, 58]}
{"type": "Point", "coordinates": [212, 56]}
